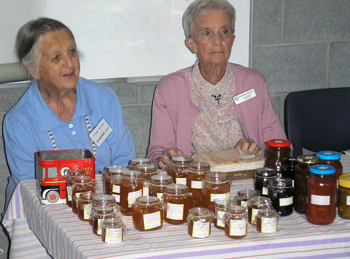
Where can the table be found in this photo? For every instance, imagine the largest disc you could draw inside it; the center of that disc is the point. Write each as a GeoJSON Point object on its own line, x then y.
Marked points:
{"type": "Point", "coordinates": [34, 227]}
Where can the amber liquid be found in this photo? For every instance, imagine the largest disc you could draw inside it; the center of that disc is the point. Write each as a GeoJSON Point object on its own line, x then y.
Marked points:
{"type": "Point", "coordinates": [155, 189]}
{"type": "Point", "coordinates": [177, 199]}
{"type": "Point", "coordinates": [196, 198]}
{"type": "Point", "coordinates": [178, 172]}
{"type": "Point", "coordinates": [191, 230]}
{"type": "Point", "coordinates": [255, 207]}
{"type": "Point", "coordinates": [125, 188]}
{"type": "Point", "coordinates": [228, 226]}
{"type": "Point", "coordinates": [81, 212]}
{"type": "Point", "coordinates": [344, 208]}
{"type": "Point", "coordinates": [78, 189]}
{"type": "Point", "coordinates": [213, 188]}
{"type": "Point", "coordinates": [137, 217]}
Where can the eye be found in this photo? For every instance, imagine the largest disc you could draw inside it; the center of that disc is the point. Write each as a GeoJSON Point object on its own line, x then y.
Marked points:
{"type": "Point", "coordinates": [57, 57]}
{"type": "Point", "coordinates": [206, 33]}
{"type": "Point", "coordinates": [72, 51]}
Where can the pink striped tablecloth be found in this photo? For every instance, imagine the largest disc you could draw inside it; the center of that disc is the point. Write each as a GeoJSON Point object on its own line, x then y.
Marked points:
{"type": "Point", "coordinates": [59, 232]}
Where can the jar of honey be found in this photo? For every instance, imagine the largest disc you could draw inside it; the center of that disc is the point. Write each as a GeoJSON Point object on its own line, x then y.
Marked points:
{"type": "Point", "coordinates": [138, 161]}
{"type": "Point", "coordinates": [277, 149]}
{"type": "Point", "coordinates": [147, 170]}
{"type": "Point", "coordinates": [261, 179]}
{"type": "Point", "coordinates": [80, 185]}
{"type": "Point", "coordinates": [111, 170]}
{"type": "Point", "coordinates": [301, 175]}
{"type": "Point", "coordinates": [113, 230]}
{"type": "Point", "coordinates": [344, 196]}
{"type": "Point", "coordinates": [195, 182]}
{"type": "Point", "coordinates": [103, 200]}
{"type": "Point", "coordinates": [71, 173]}
{"type": "Point", "coordinates": [267, 221]}
{"type": "Point", "coordinates": [236, 223]}
{"type": "Point", "coordinates": [158, 184]}
{"type": "Point", "coordinates": [99, 215]}
{"type": "Point", "coordinates": [243, 196]}
{"type": "Point", "coordinates": [147, 213]}
{"type": "Point", "coordinates": [216, 186]}
{"type": "Point", "coordinates": [321, 195]}
{"type": "Point", "coordinates": [280, 191]}
{"type": "Point", "coordinates": [113, 180]}
{"type": "Point", "coordinates": [130, 190]}
{"type": "Point", "coordinates": [332, 158]}
{"type": "Point", "coordinates": [288, 168]}
{"type": "Point", "coordinates": [84, 205]}
{"type": "Point", "coordinates": [178, 168]}
{"type": "Point", "coordinates": [220, 209]}
{"type": "Point", "coordinates": [176, 198]}
{"type": "Point", "coordinates": [254, 205]}
{"type": "Point", "coordinates": [161, 172]}
{"type": "Point", "coordinates": [198, 222]}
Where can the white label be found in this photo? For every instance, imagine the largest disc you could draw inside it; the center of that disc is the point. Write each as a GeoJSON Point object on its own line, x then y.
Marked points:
{"type": "Point", "coordinates": [238, 227]}
{"type": "Point", "coordinates": [220, 196]}
{"type": "Point", "coordinates": [69, 193]}
{"type": "Point", "coordinates": [87, 209]}
{"type": "Point", "coordinates": [254, 213]}
{"type": "Point", "coordinates": [151, 220]}
{"type": "Point", "coordinates": [145, 191]}
{"type": "Point", "coordinates": [286, 201]}
{"type": "Point", "coordinates": [100, 132]}
{"type": "Point", "coordinates": [268, 225]}
{"type": "Point", "coordinates": [99, 227]}
{"type": "Point", "coordinates": [175, 211]}
{"type": "Point", "coordinates": [116, 188]}
{"type": "Point", "coordinates": [245, 96]}
{"type": "Point", "coordinates": [320, 199]}
{"type": "Point", "coordinates": [160, 195]}
{"type": "Point", "coordinates": [181, 181]}
{"type": "Point", "coordinates": [117, 197]}
{"type": "Point", "coordinates": [347, 200]}
{"type": "Point", "coordinates": [220, 218]}
{"type": "Point", "coordinates": [132, 196]}
{"type": "Point", "coordinates": [114, 235]}
{"type": "Point", "coordinates": [264, 191]}
{"type": "Point", "coordinates": [200, 229]}
{"type": "Point", "coordinates": [244, 203]}
{"type": "Point", "coordinates": [197, 184]}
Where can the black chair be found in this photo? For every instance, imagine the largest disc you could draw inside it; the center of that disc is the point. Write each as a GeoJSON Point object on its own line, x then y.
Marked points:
{"type": "Point", "coordinates": [318, 120]}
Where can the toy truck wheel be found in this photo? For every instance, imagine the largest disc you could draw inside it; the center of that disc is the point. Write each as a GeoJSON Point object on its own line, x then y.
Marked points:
{"type": "Point", "coordinates": [52, 196]}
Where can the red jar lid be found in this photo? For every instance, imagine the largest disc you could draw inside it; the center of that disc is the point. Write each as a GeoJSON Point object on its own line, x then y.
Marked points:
{"type": "Point", "coordinates": [278, 143]}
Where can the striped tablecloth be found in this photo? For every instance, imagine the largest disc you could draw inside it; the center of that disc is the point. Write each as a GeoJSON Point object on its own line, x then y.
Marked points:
{"type": "Point", "coordinates": [65, 236]}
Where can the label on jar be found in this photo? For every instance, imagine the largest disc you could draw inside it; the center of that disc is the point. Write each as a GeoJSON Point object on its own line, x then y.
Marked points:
{"type": "Point", "coordinates": [238, 227]}
{"type": "Point", "coordinates": [145, 191]}
{"type": "Point", "coordinates": [69, 193]}
{"type": "Point", "coordinates": [254, 213]}
{"type": "Point", "coordinates": [175, 211]}
{"type": "Point", "coordinates": [197, 184]}
{"type": "Point", "coordinates": [181, 181]}
{"type": "Point", "coordinates": [99, 227]}
{"type": "Point", "coordinates": [286, 201]}
{"type": "Point", "coordinates": [87, 209]}
{"type": "Point", "coordinates": [116, 188]}
{"type": "Point", "coordinates": [132, 196]}
{"type": "Point", "coordinates": [320, 199]}
{"type": "Point", "coordinates": [160, 195]}
{"type": "Point", "coordinates": [268, 225]}
{"type": "Point", "coordinates": [114, 235]}
{"type": "Point", "coordinates": [220, 218]}
{"type": "Point", "coordinates": [200, 229]}
{"type": "Point", "coordinates": [117, 197]}
{"type": "Point", "coordinates": [151, 220]}
{"type": "Point", "coordinates": [264, 191]}
{"type": "Point", "coordinates": [347, 200]}
{"type": "Point", "coordinates": [220, 196]}
{"type": "Point", "coordinates": [244, 203]}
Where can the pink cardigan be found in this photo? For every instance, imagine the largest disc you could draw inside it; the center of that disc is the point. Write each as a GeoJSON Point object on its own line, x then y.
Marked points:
{"type": "Point", "coordinates": [174, 112]}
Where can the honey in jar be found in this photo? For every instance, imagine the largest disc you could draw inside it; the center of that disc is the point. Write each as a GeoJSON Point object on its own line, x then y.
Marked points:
{"type": "Point", "coordinates": [261, 179]}
{"type": "Point", "coordinates": [147, 213]}
{"type": "Point", "coordinates": [243, 196]}
{"type": "Point", "coordinates": [216, 186]}
{"type": "Point", "coordinates": [99, 215]}
{"type": "Point", "coordinates": [254, 205]}
{"type": "Point", "coordinates": [101, 200]}
{"type": "Point", "coordinates": [84, 205]}
{"type": "Point", "coordinates": [71, 173]}
{"type": "Point", "coordinates": [321, 195]}
{"type": "Point", "coordinates": [199, 222]}
{"type": "Point", "coordinates": [332, 158]}
{"type": "Point", "coordinates": [277, 149]}
{"type": "Point", "coordinates": [267, 221]}
{"type": "Point", "coordinates": [158, 184]}
{"type": "Point", "coordinates": [113, 230]}
{"type": "Point", "coordinates": [80, 185]}
{"type": "Point", "coordinates": [138, 161]}
{"type": "Point", "coordinates": [161, 172]}
{"type": "Point", "coordinates": [178, 168]}
{"type": "Point", "coordinates": [195, 182]}
{"type": "Point", "coordinates": [147, 171]}
{"type": "Point", "coordinates": [111, 174]}
{"type": "Point", "coordinates": [220, 208]}
{"type": "Point", "coordinates": [236, 223]}
{"type": "Point", "coordinates": [344, 196]}
{"type": "Point", "coordinates": [130, 190]}
{"type": "Point", "coordinates": [280, 192]}
{"type": "Point", "coordinates": [176, 198]}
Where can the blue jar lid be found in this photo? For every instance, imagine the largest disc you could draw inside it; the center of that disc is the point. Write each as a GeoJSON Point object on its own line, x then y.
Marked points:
{"type": "Point", "coordinates": [328, 155]}
{"type": "Point", "coordinates": [322, 169]}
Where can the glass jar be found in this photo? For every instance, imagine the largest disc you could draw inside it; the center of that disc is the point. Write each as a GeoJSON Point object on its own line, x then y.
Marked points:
{"type": "Point", "coordinates": [216, 186]}
{"type": "Point", "coordinates": [195, 182]}
{"type": "Point", "coordinates": [84, 205]}
{"type": "Point", "coordinates": [280, 192]}
{"type": "Point", "coordinates": [111, 170]}
{"type": "Point", "coordinates": [113, 180]}
{"type": "Point", "coordinates": [198, 222]}
{"type": "Point", "coordinates": [80, 185]}
{"type": "Point", "coordinates": [176, 198]}
{"type": "Point", "coordinates": [301, 175]}
{"type": "Point", "coordinates": [261, 179]}
{"type": "Point", "coordinates": [138, 161]}
{"type": "Point", "coordinates": [344, 196]}
{"type": "Point", "coordinates": [254, 205]}
{"type": "Point", "coordinates": [332, 158]}
{"type": "Point", "coordinates": [130, 190]}
{"type": "Point", "coordinates": [101, 200]}
{"type": "Point", "coordinates": [288, 168]}
{"type": "Point", "coordinates": [71, 173]}
{"type": "Point", "coordinates": [161, 172]}
{"type": "Point", "coordinates": [157, 185]}
{"type": "Point", "coordinates": [321, 195]}
{"type": "Point", "coordinates": [99, 215]}
{"type": "Point", "coordinates": [220, 209]}
{"type": "Point", "coordinates": [277, 149]}
{"type": "Point", "coordinates": [113, 230]}
{"type": "Point", "coordinates": [178, 168]}
{"type": "Point", "coordinates": [243, 196]}
{"type": "Point", "coordinates": [236, 223]}
{"type": "Point", "coordinates": [147, 213]}
{"type": "Point", "coordinates": [147, 170]}
{"type": "Point", "coordinates": [267, 221]}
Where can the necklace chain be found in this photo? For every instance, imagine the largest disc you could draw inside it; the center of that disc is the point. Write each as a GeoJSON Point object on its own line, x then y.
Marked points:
{"type": "Point", "coordinates": [89, 129]}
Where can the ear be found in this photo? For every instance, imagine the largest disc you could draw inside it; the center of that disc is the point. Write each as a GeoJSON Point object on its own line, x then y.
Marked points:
{"type": "Point", "coordinates": [191, 45]}
{"type": "Point", "coordinates": [33, 72]}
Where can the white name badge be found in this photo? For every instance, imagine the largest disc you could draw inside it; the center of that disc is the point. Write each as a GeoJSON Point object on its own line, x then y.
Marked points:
{"type": "Point", "coordinates": [247, 95]}
{"type": "Point", "coordinates": [100, 132]}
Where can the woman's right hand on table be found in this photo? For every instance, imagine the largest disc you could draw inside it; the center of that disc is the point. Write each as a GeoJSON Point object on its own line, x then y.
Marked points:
{"type": "Point", "coordinates": [164, 159]}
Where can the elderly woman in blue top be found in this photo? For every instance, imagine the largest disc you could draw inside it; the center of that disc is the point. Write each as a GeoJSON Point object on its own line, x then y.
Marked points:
{"type": "Point", "coordinates": [59, 109]}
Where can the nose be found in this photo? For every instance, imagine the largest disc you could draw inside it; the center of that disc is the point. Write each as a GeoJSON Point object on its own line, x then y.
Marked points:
{"type": "Point", "coordinates": [217, 40]}
{"type": "Point", "coordinates": [68, 61]}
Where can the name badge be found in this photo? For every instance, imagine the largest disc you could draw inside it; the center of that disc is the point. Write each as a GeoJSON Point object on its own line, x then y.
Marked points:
{"type": "Point", "coordinates": [100, 132]}
{"type": "Point", "coordinates": [247, 95]}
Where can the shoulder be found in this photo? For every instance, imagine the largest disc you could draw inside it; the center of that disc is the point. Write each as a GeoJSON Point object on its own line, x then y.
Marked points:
{"type": "Point", "coordinates": [95, 88]}
{"type": "Point", "coordinates": [246, 72]}
{"type": "Point", "coordinates": [175, 80]}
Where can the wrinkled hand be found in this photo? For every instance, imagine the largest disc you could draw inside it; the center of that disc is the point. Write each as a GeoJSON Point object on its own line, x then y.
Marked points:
{"type": "Point", "coordinates": [248, 144]}
{"type": "Point", "coordinates": [164, 159]}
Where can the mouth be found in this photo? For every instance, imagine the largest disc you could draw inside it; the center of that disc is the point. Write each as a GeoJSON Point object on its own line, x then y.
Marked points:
{"type": "Point", "coordinates": [69, 75]}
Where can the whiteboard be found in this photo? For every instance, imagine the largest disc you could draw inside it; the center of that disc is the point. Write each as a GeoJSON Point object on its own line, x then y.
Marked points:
{"type": "Point", "coordinates": [137, 38]}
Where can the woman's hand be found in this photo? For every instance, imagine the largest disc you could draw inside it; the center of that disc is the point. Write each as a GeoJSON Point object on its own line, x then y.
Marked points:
{"type": "Point", "coordinates": [248, 144]}
{"type": "Point", "coordinates": [164, 159]}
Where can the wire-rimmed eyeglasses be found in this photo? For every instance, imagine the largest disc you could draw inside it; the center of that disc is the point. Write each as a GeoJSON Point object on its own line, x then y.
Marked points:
{"type": "Point", "coordinates": [208, 34]}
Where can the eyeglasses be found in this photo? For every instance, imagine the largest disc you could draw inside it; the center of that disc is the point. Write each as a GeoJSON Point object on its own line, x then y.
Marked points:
{"type": "Point", "coordinates": [208, 34]}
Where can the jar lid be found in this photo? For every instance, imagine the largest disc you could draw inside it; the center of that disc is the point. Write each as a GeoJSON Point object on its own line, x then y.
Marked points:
{"type": "Point", "coordinates": [199, 211]}
{"type": "Point", "coordinates": [268, 212]}
{"type": "Point", "coordinates": [174, 188]}
{"type": "Point", "coordinates": [199, 166]}
{"type": "Point", "coordinates": [247, 193]}
{"type": "Point", "coordinates": [281, 182]}
{"type": "Point", "coordinates": [139, 160]}
{"type": "Point", "coordinates": [132, 174]}
{"type": "Point", "coordinates": [322, 169]}
{"type": "Point", "coordinates": [146, 168]}
{"type": "Point", "coordinates": [329, 155]}
{"type": "Point", "coordinates": [308, 159]}
{"type": "Point", "coordinates": [104, 209]}
{"type": "Point", "coordinates": [114, 168]}
{"type": "Point", "coordinates": [232, 208]}
{"type": "Point", "coordinates": [180, 159]}
{"type": "Point", "coordinates": [216, 177]}
{"type": "Point", "coordinates": [161, 172]}
{"type": "Point", "coordinates": [265, 172]}
{"type": "Point", "coordinates": [160, 179]}
{"type": "Point", "coordinates": [344, 180]}
{"type": "Point", "coordinates": [113, 222]}
{"type": "Point", "coordinates": [147, 200]}
{"type": "Point", "coordinates": [260, 201]}
{"type": "Point", "coordinates": [289, 160]}
{"type": "Point", "coordinates": [82, 179]}
{"type": "Point", "coordinates": [278, 143]}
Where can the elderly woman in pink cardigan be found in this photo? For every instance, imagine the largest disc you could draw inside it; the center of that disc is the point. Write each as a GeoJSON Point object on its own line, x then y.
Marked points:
{"type": "Point", "coordinates": [212, 105]}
